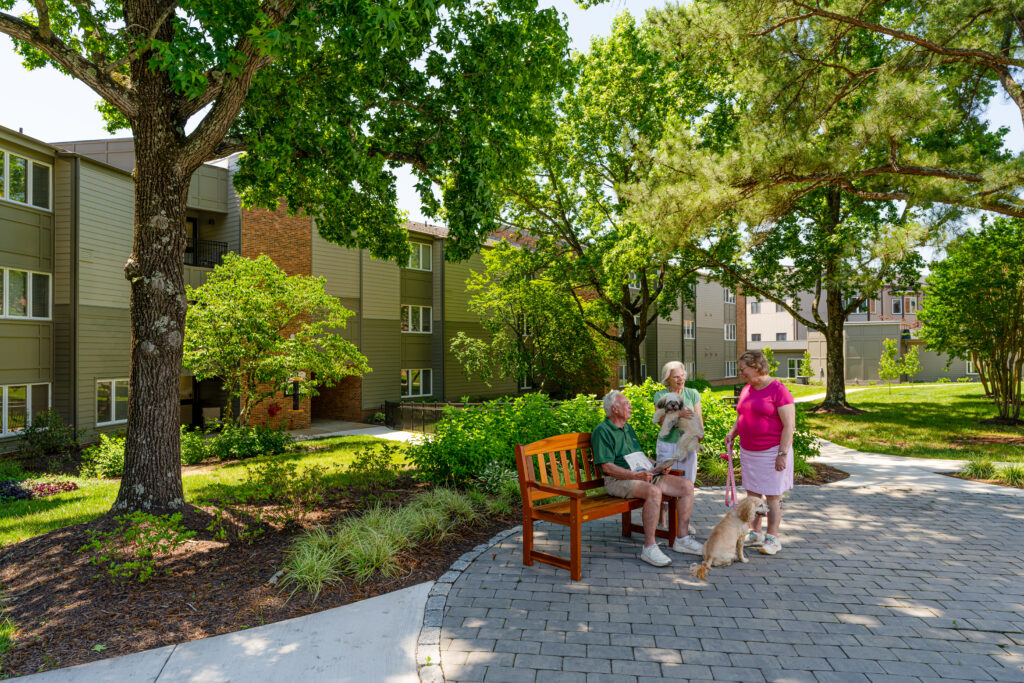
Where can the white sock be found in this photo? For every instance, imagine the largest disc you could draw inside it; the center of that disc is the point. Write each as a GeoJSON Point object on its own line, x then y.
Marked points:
{"type": "Point", "coordinates": [650, 546]}
{"type": "Point", "coordinates": [683, 538]}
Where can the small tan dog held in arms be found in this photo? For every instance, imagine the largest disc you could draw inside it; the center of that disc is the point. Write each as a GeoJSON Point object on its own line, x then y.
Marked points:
{"type": "Point", "coordinates": [725, 544]}
{"type": "Point", "coordinates": [668, 406]}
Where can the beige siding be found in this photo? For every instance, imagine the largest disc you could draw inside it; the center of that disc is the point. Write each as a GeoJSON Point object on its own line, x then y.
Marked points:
{"type": "Point", "coordinates": [382, 347]}
{"type": "Point", "coordinates": [196, 277]}
{"type": "Point", "coordinates": [351, 330]}
{"type": "Point", "coordinates": [438, 338]}
{"type": "Point", "coordinates": [710, 306]}
{"type": "Point", "coordinates": [26, 352]}
{"type": "Point", "coordinates": [455, 294]}
{"type": "Point", "coordinates": [416, 351]}
{"type": "Point", "coordinates": [455, 381]}
{"type": "Point", "coordinates": [104, 341]}
{"type": "Point", "coordinates": [63, 361]}
{"type": "Point", "coordinates": [106, 220]}
{"type": "Point", "coordinates": [63, 246]}
{"type": "Point", "coordinates": [208, 189]}
{"type": "Point", "coordinates": [380, 290]}
{"type": "Point", "coordinates": [417, 288]}
{"type": "Point", "coordinates": [670, 347]}
{"type": "Point", "coordinates": [339, 266]}
{"type": "Point", "coordinates": [26, 238]}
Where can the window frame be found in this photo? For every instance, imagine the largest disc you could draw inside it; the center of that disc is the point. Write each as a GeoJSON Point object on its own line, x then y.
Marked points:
{"type": "Point", "coordinates": [730, 368]}
{"type": "Point", "coordinates": [781, 336]}
{"type": "Point", "coordinates": [5, 182]}
{"type": "Point", "coordinates": [112, 381]}
{"type": "Point", "coordinates": [755, 336]}
{"type": "Point", "coordinates": [755, 307]}
{"type": "Point", "coordinates": [726, 331]}
{"type": "Point", "coordinates": [969, 368]}
{"type": "Point", "coordinates": [729, 295]}
{"type": "Point", "coordinates": [894, 302]}
{"type": "Point", "coordinates": [912, 306]}
{"type": "Point", "coordinates": [419, 310]}
{"type": "Point", "coordinates": [419, 247]}
{"type": "Point", "coordinates": [4, 434]}
{"type": "Point", "coordinates": [689, 329]}
{"type": "Point", "coordinates": [793, 365]}
{"type": "Point", "coordinates": [5, 285]}
{"type": "Point", "coordinates": [407, 391]}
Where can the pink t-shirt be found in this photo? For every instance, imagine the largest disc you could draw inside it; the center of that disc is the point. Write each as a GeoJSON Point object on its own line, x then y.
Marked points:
{"type": "Point", "coordinates": [759, 425]}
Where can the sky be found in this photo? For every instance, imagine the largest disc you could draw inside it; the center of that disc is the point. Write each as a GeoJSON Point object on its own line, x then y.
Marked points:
{"type": "Point", "coordinates": [50, 106]}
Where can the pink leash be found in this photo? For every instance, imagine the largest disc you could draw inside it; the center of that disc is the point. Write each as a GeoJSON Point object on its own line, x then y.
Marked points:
{"type": "Point", "coordinates": [731, 497]}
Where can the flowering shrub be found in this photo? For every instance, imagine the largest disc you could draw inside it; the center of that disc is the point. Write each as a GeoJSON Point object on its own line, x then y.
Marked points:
{"type": "Point", "coordinates": [273, 409]}
{"type": "Point", "coordinates": [48, 488]}
{"type": "Point", "coordinates": [11, 489]}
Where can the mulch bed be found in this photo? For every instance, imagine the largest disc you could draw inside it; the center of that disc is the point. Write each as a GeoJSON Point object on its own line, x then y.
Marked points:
{"type": "Point", "coordinates": [64, 607]}
{"type": "Point", "coordinates": [823, 474]}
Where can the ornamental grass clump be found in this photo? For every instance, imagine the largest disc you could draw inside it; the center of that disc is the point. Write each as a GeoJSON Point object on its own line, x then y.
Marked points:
{"type": "Point", "coordinates": [313, 563]}
{"type": "Point", "coordinates": [978, 468]}
{"type": "Point", "coordinates": [1011, 475]}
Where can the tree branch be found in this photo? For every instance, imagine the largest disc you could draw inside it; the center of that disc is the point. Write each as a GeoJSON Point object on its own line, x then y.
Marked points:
{"type": "Point", "coordinates": [71, 61]}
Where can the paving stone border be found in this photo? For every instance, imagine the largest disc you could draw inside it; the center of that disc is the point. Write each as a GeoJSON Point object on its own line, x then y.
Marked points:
{"type": "Point", "coordinates": [428, 647]}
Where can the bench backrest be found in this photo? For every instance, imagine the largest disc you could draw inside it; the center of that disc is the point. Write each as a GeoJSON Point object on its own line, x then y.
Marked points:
{"type": "Point", "coordinates": [563, 460]}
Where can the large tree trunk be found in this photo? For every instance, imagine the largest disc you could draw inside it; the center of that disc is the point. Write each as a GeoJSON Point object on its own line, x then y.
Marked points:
{"type": "Point", "coordinates": [631, 344]}
{"type": "Point", "coordinates": [152, 470]}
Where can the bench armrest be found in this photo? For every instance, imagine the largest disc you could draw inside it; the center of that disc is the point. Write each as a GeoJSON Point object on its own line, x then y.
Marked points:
{"type": "Point", "coordinates": [557, 490]}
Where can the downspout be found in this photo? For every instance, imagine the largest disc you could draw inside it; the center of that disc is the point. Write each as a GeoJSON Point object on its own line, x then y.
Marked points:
{"type": "Point", "coordinates": [73, 273]}
{"type": "Point", "coordinates": [443, 317]}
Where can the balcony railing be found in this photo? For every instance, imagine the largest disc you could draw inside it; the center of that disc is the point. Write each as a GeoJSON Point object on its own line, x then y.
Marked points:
{"type": "Point", "coordinates": [204, 253]}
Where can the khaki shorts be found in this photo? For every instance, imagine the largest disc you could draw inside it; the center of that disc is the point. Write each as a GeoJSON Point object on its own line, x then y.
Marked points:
{"type": "Point", "coordinates": [623, 488]}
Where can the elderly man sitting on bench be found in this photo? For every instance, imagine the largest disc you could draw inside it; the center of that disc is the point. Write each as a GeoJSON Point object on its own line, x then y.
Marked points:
{"type": "Point", "coordinates": [613, 439]}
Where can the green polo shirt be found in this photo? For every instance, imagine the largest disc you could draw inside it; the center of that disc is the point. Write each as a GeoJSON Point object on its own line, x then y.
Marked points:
{"type": "Point", "coordinates": [611, 443]}
{"type": "Point", "coordinates": [690, 398]}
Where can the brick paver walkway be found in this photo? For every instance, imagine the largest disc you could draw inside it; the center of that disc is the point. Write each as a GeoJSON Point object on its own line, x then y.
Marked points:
{"type": "Point", "coordinates": [879, 585]}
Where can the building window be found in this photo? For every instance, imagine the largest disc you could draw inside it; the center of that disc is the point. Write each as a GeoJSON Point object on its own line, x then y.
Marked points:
{"type": "Point", "coordinates": [755, 337]}
{"type": "Point", "coordinates": [421, 256]}
{"type": "Point", "coordinates": [24, 181]}
{"type": "Point", "coordinates": [730, 368]}
{"type": "Point", "coordinates": [912, 304]}
{"type": "Point", "coordinates": [794, 367]}
{"type": "Point", "coordinates": [970, 369]}
{"type": "Point", "coordinates": [622, 374]}
{"type": "Point", "coordinates": [417, 382]}
{"type": "Point", "coordinates": [19, 404]}
{"type": "Point", "coordinates": [111, 401]}
{"type": "Point", "coordinates": [755, 306]}
{"type": "Point", "coordinates": [689, 368]}
{"type": "Point", "coordinates": [730, 296]}
{"type": "Point", "coordinates": [24, 294]}
{"type": "Point", "coordinates": [416, 319]}
{"type": "Point", "coordinates": [689, 329]}
{"type": "Point", "coordinates": [730, 332]}
{"type": "Point", "coordinates": [525, 383]}
{"type": "Point", "coordinates": [634, 280]}
{"type": "Point", "coordinates": [897, 305]}
{"type": "Point", "coordinates": [779, 308]}
{"type": "Point", "coordinates": [780, 336]}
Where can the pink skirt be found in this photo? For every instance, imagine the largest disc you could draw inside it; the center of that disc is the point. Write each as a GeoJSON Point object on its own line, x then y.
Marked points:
{"type": "Point", "coordinates": [759, 475]}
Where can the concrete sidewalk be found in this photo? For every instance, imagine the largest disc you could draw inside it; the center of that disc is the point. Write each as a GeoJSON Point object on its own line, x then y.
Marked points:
{"type": "Point", "coordinates": [372, 640]}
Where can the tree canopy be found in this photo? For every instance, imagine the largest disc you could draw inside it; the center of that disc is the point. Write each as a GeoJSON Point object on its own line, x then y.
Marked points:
{"type": "Point", "coordinates": [533, 329]}
{"type": "Point", "coordinates": [255, 328]}
{"type": "Point", "coordinates": [569, 205]}
{"type": "Point", "coordinates": [326, 98]}
{"type": "Point", "coordinates": [974, 307]}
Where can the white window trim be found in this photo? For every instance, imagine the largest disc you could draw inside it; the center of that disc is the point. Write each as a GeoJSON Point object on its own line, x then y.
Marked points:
{"type": "Point", "coordinates": [755, 334]}
{"type": "Point", "coordinates": [4, 434]}
{"type": "Point", "coordinates": [730, 368]}
{"type": "Point", "coordinates": [793, 366]}
{"type": "Point", "coordinates": [969, 369]}
{"type": "Point", "coordinates": [912, 305]}
{"type": "Point", "coordinates": [689, 329]}
{"type": "Point", "coordinates": [430, 312]}
{"type": "Point", "coordinates": [421, 246]}
{"type": "Point", "coordinates": [422, 393]}
{"type": "Point", "coordinates": [113, 400]}
{"type": "Point", "coordinates": [728, 331]}
{"type": "Point", "coordinates": [730, 296]}
{"type": "Point", "coordinates": [5, 164]}
{"type": "Point", "coordinates": [5, 275]}
{"type": "Point", "coordinates": [755, 307]}
{"type": "Point", "coordinates": [893, 303]}
{"type": "Point", "coordinates": [784, 336]}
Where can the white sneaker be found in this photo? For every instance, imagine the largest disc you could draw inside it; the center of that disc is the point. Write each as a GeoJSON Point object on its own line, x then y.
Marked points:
{"type": "Point", "coordinates": [688, 544]}
{"type": "Point", "coordinates": [771, 545]}
{"type": "Point", "coordinates": [754, 538]}
{"type": "Point", "coordinates": [653, 555]}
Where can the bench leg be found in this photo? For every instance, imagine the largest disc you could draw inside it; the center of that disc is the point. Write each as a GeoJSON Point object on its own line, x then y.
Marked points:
{"type": "Point", "coordinates": [576, 549]}
{"type": "Point", "coordinates": [627, 524]}
{"type": "Point", "coordinates": [527, 539]}
{"type": "Point", "coordinates": [673, 519]}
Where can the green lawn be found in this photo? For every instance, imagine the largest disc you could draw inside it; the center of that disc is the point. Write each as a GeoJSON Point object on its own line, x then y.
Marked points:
{"type": "Point", "coordinates": [22, 519]}
{"type": "Point", "coordinates": [796, 389]}
{"type": "Point", "coordinates": [942, 421]}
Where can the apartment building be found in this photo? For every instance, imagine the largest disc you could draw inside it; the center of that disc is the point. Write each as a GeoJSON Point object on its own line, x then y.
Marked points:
{"type": "Point", "coordinates": [706, 337]}
{"type": "Point", "coordinates": [890, 315]}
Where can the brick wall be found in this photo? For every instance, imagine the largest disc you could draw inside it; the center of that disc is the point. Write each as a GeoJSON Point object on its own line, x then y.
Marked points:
{"type": "Point", "coordinates": [343, 401]}
{"type": "Point", "coordinates": [288, 240]}
{"type": "Point", "coordinates": [291, 419]}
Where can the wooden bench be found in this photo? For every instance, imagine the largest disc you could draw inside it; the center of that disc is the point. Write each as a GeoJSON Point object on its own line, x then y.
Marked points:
{"type": "Point", "coordinates": [564, 466]}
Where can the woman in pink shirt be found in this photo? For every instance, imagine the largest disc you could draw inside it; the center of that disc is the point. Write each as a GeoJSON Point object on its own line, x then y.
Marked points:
{"type": "Point", "coordinates": [765, 424]}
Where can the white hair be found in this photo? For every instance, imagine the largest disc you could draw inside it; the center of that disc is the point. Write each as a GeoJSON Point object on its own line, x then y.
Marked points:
{"type": "Point", "coordinates": [609, 401]}
{"type": "Point", "coordinates": [669, 368]}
